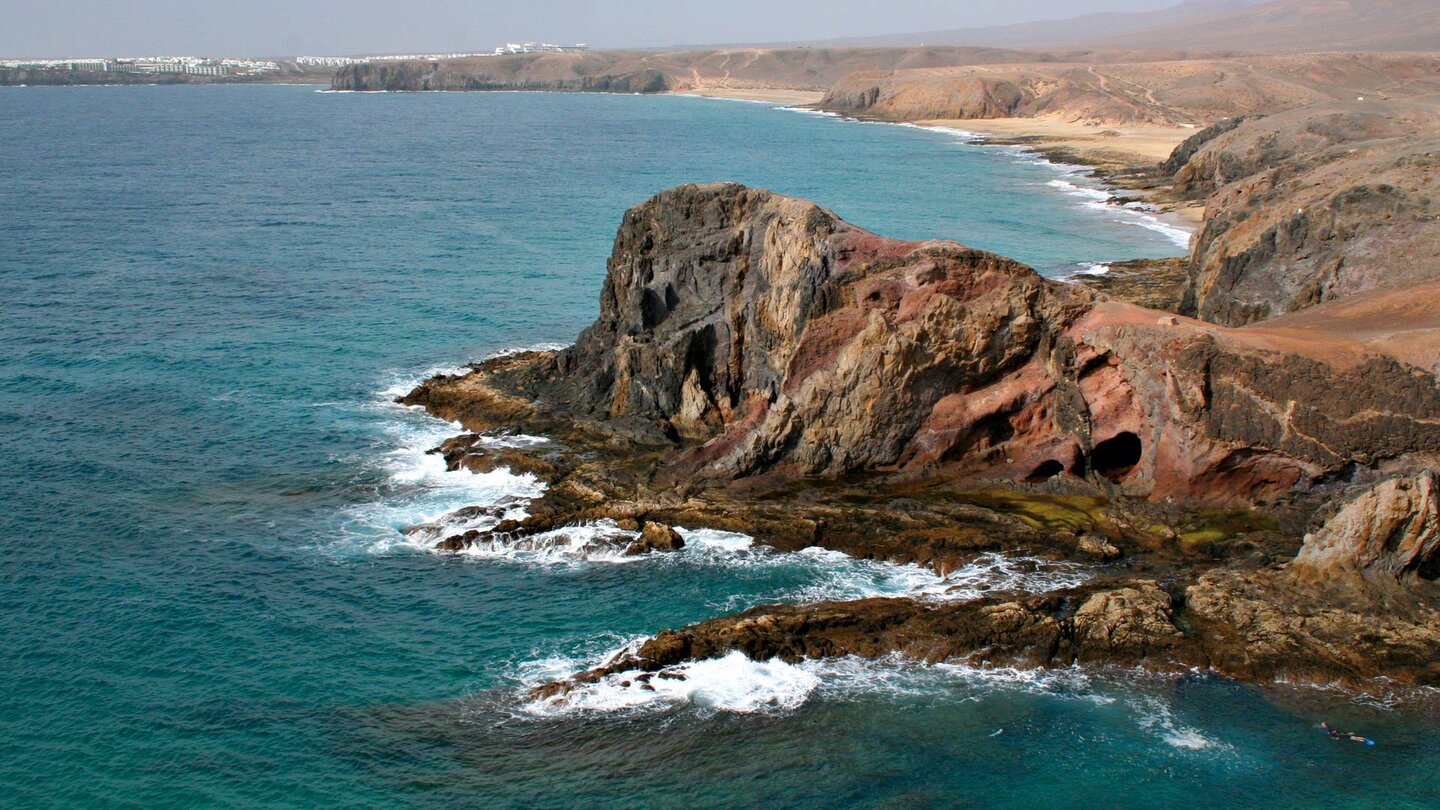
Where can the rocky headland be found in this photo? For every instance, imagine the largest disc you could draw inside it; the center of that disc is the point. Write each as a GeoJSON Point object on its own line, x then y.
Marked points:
{"type": "Point", "coordinates": [1256, 501]}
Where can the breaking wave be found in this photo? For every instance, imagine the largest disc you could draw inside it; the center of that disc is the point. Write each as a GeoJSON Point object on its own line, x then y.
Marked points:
{"type": "Point", "coordinates": [737, 684]}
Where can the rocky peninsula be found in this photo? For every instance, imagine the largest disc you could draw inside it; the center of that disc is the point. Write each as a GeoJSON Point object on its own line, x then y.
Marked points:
{"type": "Point", "coordinates": [1255, 503]}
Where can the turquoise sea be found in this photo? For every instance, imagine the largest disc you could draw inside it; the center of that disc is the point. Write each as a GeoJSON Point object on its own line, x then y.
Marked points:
{"type": "Point", "coordinates": [208, 297]}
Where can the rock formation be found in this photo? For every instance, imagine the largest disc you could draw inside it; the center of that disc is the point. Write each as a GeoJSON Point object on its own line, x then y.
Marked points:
{"type": "Point", "coordinates": [811, 69]}
{"type": "Point", "coordinates": [757, 335]}
{"type": "Point", "coordinates": [760, 365]}
{"type": "Point", "coordinates": [1313, 205]}
{"type": "Point", "coordinates": [1388, 533]}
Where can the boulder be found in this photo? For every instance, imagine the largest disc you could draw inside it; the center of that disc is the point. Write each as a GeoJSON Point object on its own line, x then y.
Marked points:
{"type": "Point", "coordinates": [1390, 531]}
{"type": "Point", "coordinates": [656, 537]}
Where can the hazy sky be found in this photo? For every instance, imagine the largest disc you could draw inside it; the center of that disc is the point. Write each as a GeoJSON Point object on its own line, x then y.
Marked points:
{"type": "Point", "coordinates": [293, 27]}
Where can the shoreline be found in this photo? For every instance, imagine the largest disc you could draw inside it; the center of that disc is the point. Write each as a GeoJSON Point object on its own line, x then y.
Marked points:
{"type": "Point", "coordinates": [777, 95]}
{"type": "Point", "coordinates": [1101, 143]}
{"type": "Point", "coordinates": [1103, 167]}
{"type": "Point", "coordinates": [1100, 167]}
{"type": "Point", "coordinates": [1120, 157]}
{"type": "Point", "coordinates": [1192, 573]}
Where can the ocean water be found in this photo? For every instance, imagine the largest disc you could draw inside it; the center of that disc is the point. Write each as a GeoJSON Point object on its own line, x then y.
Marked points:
{"type": "Point", "coordinates": [208, 297]}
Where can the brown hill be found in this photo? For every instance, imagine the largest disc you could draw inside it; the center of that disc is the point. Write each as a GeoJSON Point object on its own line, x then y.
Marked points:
{"type": "Point", "coordinates": [1294, 25]}
{"type": "Point", "coordinates": [1196, 91]}
{"type": "Point", "coordinates": [1045, 33]}
{"type": "Point", "coordinates": [1314, 205]}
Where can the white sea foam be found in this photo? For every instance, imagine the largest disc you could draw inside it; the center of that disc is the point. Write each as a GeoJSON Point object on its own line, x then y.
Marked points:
{"type": "Point", "coordinates": [960, 135]}
{"type": "Point", "coordinates": [1180, 236]}
{"type": "Point", "coordinates": [716, 540]}
{"type": "Point", "coordinates": [1155, 716]}
{"type": "Point", "coordinates": [736, 683]}
{"type": "Point", "coordinates": [601, 541]}
{"type": "Point", "coordinates": [733, 683]}
{"type": "Point", "coordinates": [418, 489]}
{"type": "Point", "coordinates": [811, 111]}
{"type": "Point", "coordinates": [1077, 190]}
{"type": "Point", "coordinates": [402, 384]}
{"type": "Point", "coordinates": [534, 347]}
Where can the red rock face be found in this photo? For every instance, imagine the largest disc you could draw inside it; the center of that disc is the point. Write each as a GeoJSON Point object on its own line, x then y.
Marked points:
{"type": "Point", "coordinates": [763, 336]}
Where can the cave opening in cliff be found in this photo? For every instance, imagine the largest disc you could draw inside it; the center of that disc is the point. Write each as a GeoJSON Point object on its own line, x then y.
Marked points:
{"type": "Point", "coordinates": [1115, 457]}
{"type": "Point", "coordinates": [1045, 471]}
{"type": "Point", "coordinates": [1430, 568]}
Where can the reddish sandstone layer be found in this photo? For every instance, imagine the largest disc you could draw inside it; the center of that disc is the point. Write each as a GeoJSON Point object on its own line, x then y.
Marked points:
{"type": "Point", "coordinates": [762, 336]}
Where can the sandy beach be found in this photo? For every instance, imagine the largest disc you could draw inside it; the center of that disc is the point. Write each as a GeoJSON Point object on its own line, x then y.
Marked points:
{"type": "Point", "coordinates": [1110, 146]}
{"type": "Point", "coordinates": [1105, 142]}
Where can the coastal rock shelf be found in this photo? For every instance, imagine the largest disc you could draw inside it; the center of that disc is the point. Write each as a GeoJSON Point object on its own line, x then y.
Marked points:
{"type": "Point", "coordinates": [761, 366]}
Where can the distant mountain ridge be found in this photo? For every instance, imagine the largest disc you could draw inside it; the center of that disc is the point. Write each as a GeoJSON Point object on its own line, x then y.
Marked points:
{"type": "Point", "coordinates": [1215, 26]}
{"type": "Point", "coordinates": [1296, 25]}
{"type": "Point", "coordinates": [1048, 32]}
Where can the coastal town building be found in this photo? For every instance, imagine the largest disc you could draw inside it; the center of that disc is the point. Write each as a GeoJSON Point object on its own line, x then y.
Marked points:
{"type": "Point", "coordinates": [204, 66]}
{"type": "Point", "coordinates": [192, 65]}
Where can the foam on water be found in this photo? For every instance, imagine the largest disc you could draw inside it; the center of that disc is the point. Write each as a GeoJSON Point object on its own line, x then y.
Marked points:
{"type": "Point", "coordinates": [1144, 219]}
{"type": "Point", "coordinates": [1075, 190]}
{"type": "Point", "coordinates": [1156, 717]}
{"type": "Point", "coordinates": [550, 346]}
{"type": "Point", "coordinates": [736, 683]}
{"type": "Point", "coordinates": [415, 488]}
{"type": "Point", "coordinates": [811, 111]}
{"type": "Point", "coordinates": [733, 684]}
{"type": "Point", "coordinates": [1100, 199]}
{"type": "Point", "coordinates": [600, 541]}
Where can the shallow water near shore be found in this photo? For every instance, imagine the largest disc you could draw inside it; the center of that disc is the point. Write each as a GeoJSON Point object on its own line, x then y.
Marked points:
{"type": "Point", "coordinates": [210, 296]}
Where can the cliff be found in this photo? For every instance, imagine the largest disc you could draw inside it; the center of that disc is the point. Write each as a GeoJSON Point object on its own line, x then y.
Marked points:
{"type": "Point", "coordinates": [1314, 205]}
{"type": "Point", "coordinates": [555, 72]}
{"type": "Point", "coordinates": [760, 365]}
{"type": "Point", "coordinates": [658, 71]}
{"type": "Point", "coordinates": [758, 335]}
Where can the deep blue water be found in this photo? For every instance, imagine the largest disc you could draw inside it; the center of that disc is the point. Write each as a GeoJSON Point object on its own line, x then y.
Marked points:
{"type": "Point", "coordinates": [206, 294]}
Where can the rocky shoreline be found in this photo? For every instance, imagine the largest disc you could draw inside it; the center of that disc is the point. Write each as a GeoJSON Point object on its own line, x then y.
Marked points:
{"type": "Point", "coordinates": [761, 366]}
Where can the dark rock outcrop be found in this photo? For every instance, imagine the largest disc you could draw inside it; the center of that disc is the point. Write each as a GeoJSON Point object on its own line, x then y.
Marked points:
{"type": "Point", "coordinates": [1237, 625]}
{"type": "Point", "coordinates": [746, 334]}
{"type": "Point", "coordinates": [962, 97]}
{"type": "Point", "coordinates": [1193, 144]}
{"type": "Point", "coordinates": [439, 75]}
{"type": "Point", "coordinates": [761, 366]}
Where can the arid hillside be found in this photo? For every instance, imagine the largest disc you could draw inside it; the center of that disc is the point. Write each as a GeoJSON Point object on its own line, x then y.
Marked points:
{"type": "Point", "coordinates": [656, 71]}
{"type": "Point", "coordinates": [1194, 91]}
{"type": "Point", "coordinates": [1294, 25]}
